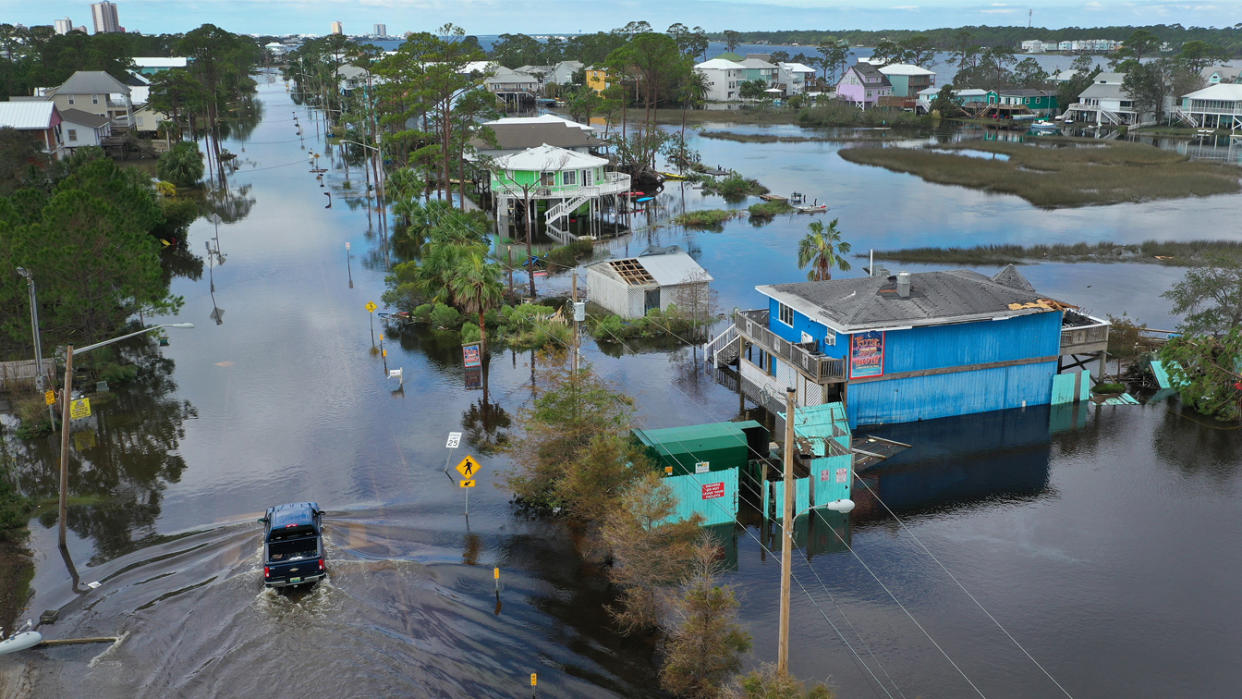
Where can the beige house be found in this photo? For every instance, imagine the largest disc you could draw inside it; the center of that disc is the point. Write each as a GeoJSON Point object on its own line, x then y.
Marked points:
{"type": "Point", "coordinates": [95, 92]}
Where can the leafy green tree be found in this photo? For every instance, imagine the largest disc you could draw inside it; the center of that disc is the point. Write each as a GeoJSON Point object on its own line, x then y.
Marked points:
{"type": "Point", "coordinates": [1140, 43]}
{"type": "Point", "coordinates": [575, 420]}
{"type": "Point", "coordinates": [91, 247]}
{"type": "Point", "coordinates": [1029, 73]}
{"type": "Point", "coordinates": [18, 154]}
{"type": "Point", "coordinates": [513, 50]}
{"type": "Point", "coordinates": [1197, 55]}
{"type": "Point", "coordinates": [752, 90]}
{"type": "Point", "coordinates": [1207, 357]}
{"type": "Point", "coordinates": [833, 55]}
{"type": "Point", "coordinates": [182, 164]}
{"type": "Point", "coordinates": [945, 103]}
{"type": "Point", "coordinates": [704, 648]}
{"type": "Point", "coordinates": [731, 39]}
{"type": "Point", "coordinates": [823, 249]}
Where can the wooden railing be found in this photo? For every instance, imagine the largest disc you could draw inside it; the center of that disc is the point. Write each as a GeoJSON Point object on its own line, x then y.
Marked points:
{"type": "Point", "coordinates": [809, 361]}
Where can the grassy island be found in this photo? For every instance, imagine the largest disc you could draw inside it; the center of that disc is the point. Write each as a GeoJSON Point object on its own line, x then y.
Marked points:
{"type": "Point", "coordinates": [1063, 173]}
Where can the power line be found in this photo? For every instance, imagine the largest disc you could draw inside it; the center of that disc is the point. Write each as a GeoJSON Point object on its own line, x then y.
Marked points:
{"type": "Point", "coordinates": [963, 588]}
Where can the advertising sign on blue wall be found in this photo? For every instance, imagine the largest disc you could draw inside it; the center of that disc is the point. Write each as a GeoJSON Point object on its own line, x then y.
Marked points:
{"type": "Point", "coordinates": [867, 354]}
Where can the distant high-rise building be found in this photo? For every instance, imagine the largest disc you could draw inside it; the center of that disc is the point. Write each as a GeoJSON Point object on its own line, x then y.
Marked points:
{"type": "Point", "coordinates": [337, 29]}
{"type": "Point", "coordinates": [381, 30]}
{"type": "Point", "coordinates": [64, 26]}
{"type": "Point", "coordinates": [104, 14]}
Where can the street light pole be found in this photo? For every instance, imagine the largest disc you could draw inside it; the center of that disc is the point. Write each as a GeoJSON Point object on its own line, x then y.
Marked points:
{"type": "Point", "coordinates": [34, 327]}
{"type": "Point", "coordinates": [64, 414]}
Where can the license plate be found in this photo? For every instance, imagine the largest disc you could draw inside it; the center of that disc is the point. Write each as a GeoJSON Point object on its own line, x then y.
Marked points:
{"type": "Point", "coordinates": [295, 580]}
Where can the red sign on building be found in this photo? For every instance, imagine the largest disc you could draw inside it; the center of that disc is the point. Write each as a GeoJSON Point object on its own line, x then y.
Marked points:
{"type": "Point", "coordinates": [713, 490]}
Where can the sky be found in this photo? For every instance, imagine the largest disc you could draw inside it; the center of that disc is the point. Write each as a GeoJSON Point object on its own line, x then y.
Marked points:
{"type": "Point", "coordinates": [563, 17]}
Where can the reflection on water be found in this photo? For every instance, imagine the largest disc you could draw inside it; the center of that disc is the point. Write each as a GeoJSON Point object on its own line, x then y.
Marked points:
{"type": "Point", "coordinates": [1050, 517]}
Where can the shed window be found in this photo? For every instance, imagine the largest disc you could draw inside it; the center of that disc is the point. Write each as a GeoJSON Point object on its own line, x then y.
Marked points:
{"type": "Point", "coordinates": [70, 99]}
{"type": "Point", "coordinates": [786, 314]}
{"type": "Point", "coordinates": [73, 134]}
{"type": "Point", "coordinates": [94, 99]}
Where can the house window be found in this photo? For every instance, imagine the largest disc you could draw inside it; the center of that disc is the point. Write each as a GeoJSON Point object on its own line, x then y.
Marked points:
{"type": "Point", "coordinates": [785, 313]}
{"type": "Point", "coordinates": [569, 177]}
{"type": "Point", "coordinates": [73, 134]}
{"type": "Point", "coordinates": [547, 179]}
{"type": "Point", "coordinates": [94, 99]}
{"type": "Point", "coordinates": [71, 100]}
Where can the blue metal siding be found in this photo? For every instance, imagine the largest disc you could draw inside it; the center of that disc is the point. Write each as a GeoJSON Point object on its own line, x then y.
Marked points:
{"type": "Point", "coordinates": [688, 496]}
{"type": "Point", "coordinates": [945, 395]}
{"type": "Point", "coordinates": [802, 324]}
{"type": "Point", "coordinates": [937, 346]}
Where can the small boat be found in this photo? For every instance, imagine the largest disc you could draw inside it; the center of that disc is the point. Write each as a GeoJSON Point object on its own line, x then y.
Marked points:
{"type": "Point", "coordinates": [20, 641]}
{"type": "Point", "coordinates": [812, 208]}
{"type": "Point", "coordinates": [635, 194]}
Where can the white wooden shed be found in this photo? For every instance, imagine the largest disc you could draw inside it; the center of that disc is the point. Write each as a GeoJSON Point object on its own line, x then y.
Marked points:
{"type": "Point", "coordinates": [632, 286]}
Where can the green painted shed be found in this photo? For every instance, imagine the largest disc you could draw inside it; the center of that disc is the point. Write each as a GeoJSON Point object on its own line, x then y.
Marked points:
{"type": "Point", "coordinates": [715, 446]}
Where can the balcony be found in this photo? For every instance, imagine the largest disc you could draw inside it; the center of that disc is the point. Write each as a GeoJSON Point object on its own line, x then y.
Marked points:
{"type": "Point", "coordinates": [809, 361]}
{"type": "Point", "coordinates": [613, 183]}
{"type": "Point", "coordinates": [1087, 338]}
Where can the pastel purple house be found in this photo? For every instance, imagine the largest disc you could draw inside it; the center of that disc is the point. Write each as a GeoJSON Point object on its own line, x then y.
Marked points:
{"type": "Point", "coordinates": [863, 84]}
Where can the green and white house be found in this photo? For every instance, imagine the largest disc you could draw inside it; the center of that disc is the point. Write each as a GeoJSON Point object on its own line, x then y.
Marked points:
{"type": "Point", "coordinates": [568, 181]}
{"type": "Point", "coordinates": [1042, 102]}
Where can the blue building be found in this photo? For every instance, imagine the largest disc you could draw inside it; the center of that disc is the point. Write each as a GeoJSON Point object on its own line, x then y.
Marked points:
{"type": "Point", "coordinates": [908, 347]}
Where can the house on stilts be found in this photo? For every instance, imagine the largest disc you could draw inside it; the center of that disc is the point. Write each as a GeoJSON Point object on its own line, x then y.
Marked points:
{"type": "Point", "coordinates": [911, 346]}
{"type": "Point", "coordinates": [565, 184]}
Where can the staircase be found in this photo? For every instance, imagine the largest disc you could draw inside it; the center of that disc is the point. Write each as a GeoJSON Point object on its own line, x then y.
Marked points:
{"type": "Point", "coordinates": [723, 349]}
{"type": "Point", "coordinates": [564, 208]}
{"type": "Point", "coordinates": [1183, 118]}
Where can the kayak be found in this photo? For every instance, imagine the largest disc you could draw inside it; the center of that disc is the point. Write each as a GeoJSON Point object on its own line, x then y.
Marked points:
{"type": "Point", "coordinates": [643, 199]}
{"type": "Point", "coordinates": [20, 641]}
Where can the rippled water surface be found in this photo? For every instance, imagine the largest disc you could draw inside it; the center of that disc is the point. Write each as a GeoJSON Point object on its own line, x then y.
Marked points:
{"type": "Point", "coordinates": [1101, 538]}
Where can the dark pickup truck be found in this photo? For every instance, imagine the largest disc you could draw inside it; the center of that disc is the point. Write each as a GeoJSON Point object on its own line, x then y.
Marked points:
{"type": "Point", "coordinates": [293, 545]}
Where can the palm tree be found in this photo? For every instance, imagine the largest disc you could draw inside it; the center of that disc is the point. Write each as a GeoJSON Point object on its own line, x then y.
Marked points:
{"type": "Point", "coordinates": [476, 288]}
{"type": "Point", "coordinates": [694, 88]}
{"type": "Point", "coordinates": [823, 249]}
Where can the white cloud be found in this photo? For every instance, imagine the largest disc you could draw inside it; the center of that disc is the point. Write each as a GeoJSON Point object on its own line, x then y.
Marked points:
{"type": "Point", "coordinates": [998, 12]}
{"type": "Point", "coordinates": [905, 7]}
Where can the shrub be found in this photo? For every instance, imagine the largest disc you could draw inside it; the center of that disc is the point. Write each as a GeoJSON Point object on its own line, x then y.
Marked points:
{"type": "Point", "coordinates": [768, 209]}
{"type": "Point", "coordinates": [182, 165]}
{"type": "Point", "coordinates": [1108, 388]}
{"type": "Point", "coordinates": [445, 317]}
{"type": "Point", "coordinates": [709, 218]}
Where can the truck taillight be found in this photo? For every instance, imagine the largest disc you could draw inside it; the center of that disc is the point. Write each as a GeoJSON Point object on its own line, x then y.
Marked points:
{"type": "Point", "coordinates": [267, 572]}
{"type": "Point", "coordinates": [320, 564]}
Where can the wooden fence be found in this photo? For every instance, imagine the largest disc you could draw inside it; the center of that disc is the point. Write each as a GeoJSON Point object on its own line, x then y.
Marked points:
{"type": "Point", "coordinates": [21, 373]}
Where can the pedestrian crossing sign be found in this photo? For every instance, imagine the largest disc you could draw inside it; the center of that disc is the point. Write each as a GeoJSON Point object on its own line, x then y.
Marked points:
{"type": "Point", "coordinates": [468, 467]}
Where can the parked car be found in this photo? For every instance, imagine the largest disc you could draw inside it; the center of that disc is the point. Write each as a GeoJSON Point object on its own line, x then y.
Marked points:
{"type": "Point", "coordinates": [293, 552]}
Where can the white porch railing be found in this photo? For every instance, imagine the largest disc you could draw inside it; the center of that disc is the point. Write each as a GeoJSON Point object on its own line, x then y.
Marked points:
{"type": "Point", "coordinates": [614, 183]}
{"type": "Point", "coordinates": [563, 209]}
{"type": "Point", "coordinates": [723, 348]}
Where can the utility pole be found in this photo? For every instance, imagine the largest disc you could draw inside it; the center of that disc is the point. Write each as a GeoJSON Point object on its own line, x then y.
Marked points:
{"type": "Point", "coordinates": [782, 648]}
{"type": "Point", "coordinates": [40, 379]}
{"type": "Point", "coordinates": [64, 443]}
{"type": "Point", "coordinates": [574, 295]}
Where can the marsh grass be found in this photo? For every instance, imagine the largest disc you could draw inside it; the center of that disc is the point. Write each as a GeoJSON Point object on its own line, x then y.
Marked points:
{"type": "Point", "coordinates": [708, 218]}
{"type": "Point", "coordinates": [1171, 253]}
{"type": "Point", "coordinates": [768, 209]}
{"type": "Point", "coordinates": [865, 135]}
{"type": "Point", "coordinates": [1064, 174]}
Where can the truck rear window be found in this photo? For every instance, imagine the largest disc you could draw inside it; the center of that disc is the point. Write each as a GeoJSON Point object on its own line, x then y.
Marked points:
{"type": "Point", "coordinates": [297, 532]}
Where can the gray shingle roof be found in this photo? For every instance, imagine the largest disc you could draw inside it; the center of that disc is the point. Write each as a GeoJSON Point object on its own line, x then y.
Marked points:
{"type": "Point", "coordinates": [92, 82]}
{"type": "Point", "coordinates": [77, 116]}
{"type": "Point", "coordinates": [870, 74]}
{"type": "Point", "coordinates": [523, 136]}
{"type": "Point", "coordinates": [851, 305]}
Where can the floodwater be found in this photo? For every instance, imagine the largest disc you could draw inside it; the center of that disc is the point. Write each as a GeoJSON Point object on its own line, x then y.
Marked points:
{"type": "Point", "coordinates": [1102, 539]}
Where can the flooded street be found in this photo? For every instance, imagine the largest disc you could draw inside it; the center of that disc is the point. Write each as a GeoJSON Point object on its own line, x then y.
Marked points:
{"type": "Point", "coordinates": [1103, 539]}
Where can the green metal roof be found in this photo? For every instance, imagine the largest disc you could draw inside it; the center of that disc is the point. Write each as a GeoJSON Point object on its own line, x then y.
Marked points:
{"type": "Point", "coordinates": [696, 438]}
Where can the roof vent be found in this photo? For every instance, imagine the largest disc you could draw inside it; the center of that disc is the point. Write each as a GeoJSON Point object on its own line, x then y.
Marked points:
{"type": "Point", "coordinates": [903, 284]}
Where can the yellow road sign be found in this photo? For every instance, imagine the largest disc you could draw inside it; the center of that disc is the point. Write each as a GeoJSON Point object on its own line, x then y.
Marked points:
{"type": "Point", "coordinates": [371, 307]}
{"type": "Point", "coordinates": [49, 397]}
{"type": "Point", "coordinates": [80, 408]}
{"type": "Point", "coordinates": [467, 483]}
{"type": "Point", "coordinates": [468, 467]}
